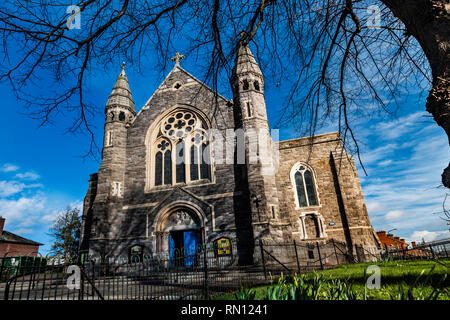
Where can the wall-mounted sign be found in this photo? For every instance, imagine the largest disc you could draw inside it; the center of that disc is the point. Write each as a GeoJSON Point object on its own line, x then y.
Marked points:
{"type": "Point", "coordinates": [136, 252]}
{"type": "Point", "coordinates": [223, 247]}
{"type": "Point", "coordinates": [136, 249]}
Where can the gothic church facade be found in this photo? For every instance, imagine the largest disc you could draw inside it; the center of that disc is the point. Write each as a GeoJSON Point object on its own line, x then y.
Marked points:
{"type": "Point", "coordinates": [160, 186]}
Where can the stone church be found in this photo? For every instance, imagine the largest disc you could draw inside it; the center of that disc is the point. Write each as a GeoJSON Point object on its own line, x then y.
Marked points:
{"type": "Point", "coordinates": [162, 183]}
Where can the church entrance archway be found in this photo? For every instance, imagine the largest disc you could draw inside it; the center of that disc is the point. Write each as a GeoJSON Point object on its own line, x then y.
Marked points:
{"type": "Point", "coordinates": [183, 235]}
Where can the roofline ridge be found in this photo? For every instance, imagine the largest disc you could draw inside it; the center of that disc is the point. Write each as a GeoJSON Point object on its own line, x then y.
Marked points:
{"type": "Point", "coordinates": [165, 78]}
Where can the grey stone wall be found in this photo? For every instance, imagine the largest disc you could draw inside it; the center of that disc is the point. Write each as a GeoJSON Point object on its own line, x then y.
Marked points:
{"type": "Point", "coordinates": [115, 222]}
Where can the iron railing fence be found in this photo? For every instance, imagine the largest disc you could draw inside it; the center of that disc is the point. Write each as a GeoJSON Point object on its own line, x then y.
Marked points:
{"type": "Point", "coordinates": [198, 273]}
{"type": "Point", "coordinates": [439, 249]}
{"type": "Point", "coordinates": [182, 274]}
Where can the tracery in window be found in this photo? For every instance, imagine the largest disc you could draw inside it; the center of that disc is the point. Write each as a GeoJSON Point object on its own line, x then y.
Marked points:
{"type": "Point", "coordinates": [199, 157]}
{"type": "Point", "coordinates": [181, 152]}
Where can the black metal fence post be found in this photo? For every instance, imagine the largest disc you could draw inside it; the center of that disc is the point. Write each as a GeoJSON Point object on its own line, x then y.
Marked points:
{"type": "Point", "coordinates": [320, 256]}
{"type": "Point", "coordinates": [296, 256]}
{"type": "Point", "coordinates": [81, 289]}
{"type": "Point", "coordinates": [432, 251]}
{"type": "Point", "coordinates": [263, 261]}
{"type": "Point", "coordinates": [205, 270]}
{"type": "Point", "coordinates": [357, 253]}
{"type": "Point", "coordinates": [445, 249]}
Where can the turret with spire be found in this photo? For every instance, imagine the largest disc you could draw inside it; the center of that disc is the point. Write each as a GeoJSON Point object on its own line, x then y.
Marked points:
{"type": "Point", "coordinates": [120, 112]}
{"type": "Point", "coordinates": [247, 84]}
{"type": "Point", "coordinates": [120, 105]}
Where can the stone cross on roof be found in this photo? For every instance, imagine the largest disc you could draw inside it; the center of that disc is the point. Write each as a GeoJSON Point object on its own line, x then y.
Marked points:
{"type": "Point", "coordinates": [177, 58]}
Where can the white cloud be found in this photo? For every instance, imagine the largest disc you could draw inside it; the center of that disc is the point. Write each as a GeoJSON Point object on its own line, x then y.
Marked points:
{"type": "Point", "coordinates": [17, 210]}
{"type": "Point", "coordinates": [405, 159]}
{"type": "Point", "coordinates": [30, 175]}
{"type": "Point", "coordinates": [8, 188]}
{"type": "Point", "coordinates": [395, 214]}
{"type": "Point", "coordinates": [77, 205]}
{"type": "Point", "coordinates": [22, 231]}
{"type": "Point", "coordinates": [49, 218]}
{"type": "Point", "coordinates": [397, 128]}
{"type": "Point", "coordinates": [8, 167]}
{"type": "Point", "coordinates": [426, 235]}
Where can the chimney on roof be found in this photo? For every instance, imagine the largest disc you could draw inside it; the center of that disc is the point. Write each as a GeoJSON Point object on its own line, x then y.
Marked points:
{"type": "Point", "coordinates": [2, 224]}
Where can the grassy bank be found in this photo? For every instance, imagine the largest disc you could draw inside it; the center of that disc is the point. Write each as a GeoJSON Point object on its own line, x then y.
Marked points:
{"type": "Point", "coordinates": [399, 280]}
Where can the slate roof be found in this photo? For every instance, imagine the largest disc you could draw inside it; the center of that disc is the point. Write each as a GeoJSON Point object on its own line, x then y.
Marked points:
{"type": "Point", "coordinates": [10, 237]}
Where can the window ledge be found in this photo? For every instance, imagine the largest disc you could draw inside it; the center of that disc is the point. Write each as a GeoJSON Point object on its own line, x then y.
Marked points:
{"type": "Point", "coordinates": [308, 208]}
{"type": "Point", "coordinates": [197, 183]}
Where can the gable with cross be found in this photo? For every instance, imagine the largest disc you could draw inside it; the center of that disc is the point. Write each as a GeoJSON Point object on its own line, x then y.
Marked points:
{"type": "Point", "coordinates": [177, 58]}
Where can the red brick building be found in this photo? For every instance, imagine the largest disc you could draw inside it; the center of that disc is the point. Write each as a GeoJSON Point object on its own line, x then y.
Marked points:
{"type": "Point", "coordinates": [13, 245]}
{"type": "Point", "coordinates": [388, 240]}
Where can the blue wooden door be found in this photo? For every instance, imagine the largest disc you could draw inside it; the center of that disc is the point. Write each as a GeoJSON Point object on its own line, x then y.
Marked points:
{"type": "Point", "coordinates": [191, 242]}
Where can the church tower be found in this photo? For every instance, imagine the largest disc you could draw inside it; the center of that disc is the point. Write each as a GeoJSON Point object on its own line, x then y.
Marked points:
{"type": "Point", "coordinates": [119, 113]}
{"type": "Point", "coordinates": [260, 151]}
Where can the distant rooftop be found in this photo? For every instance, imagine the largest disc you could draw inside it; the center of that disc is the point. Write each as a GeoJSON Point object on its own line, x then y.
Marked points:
{"type": "Point", "coordinates": [10, 237]}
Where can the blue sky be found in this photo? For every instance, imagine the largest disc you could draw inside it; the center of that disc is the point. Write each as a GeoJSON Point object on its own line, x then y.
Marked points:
{"type": "Point", "coordinates": [41, 171]}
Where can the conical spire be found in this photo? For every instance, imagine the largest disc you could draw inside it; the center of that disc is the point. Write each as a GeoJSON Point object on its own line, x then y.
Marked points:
{"type": "Point", "coordinates": [121, 95]}
{"type": "Point", "coordinates": [245, 61]}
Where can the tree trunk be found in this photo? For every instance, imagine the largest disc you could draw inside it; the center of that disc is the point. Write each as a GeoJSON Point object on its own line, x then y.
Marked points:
{"type": "Point", "coordinates": [429, 22]}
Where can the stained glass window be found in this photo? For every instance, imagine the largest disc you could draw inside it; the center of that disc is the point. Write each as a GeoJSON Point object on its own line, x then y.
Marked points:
{"type": "Point", "coordinates": [168, 167]}
{"type": "Point", "coordinates": [158, 169]}
{"type": "Point", "coordinates": [180, 163]}
{"type": "Point", "coordinates": [304, 183]}
{"type": "Point", "coordinates": [194, 163]}
{"type": "Point", "coordinates": [300, 190]}
{"type": "Point", "coordinates": [310, 188]}
{"type": "Point", "coordinates": [205, 166]}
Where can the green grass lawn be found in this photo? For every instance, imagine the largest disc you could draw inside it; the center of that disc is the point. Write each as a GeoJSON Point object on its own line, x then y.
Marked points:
{"type": "Point", "coordinates": [423, 276]}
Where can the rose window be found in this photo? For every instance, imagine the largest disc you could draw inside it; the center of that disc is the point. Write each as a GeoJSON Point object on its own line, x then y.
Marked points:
{"type": "Point", "coordinates": [179, 125]}
{"type": "Point", "coordinates": [181, 150]}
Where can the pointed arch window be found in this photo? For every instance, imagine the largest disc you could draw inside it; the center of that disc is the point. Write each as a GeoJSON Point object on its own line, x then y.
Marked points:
{"type": "Point", "coordinates": [205, 165]}
{"type": "Point", "coordinates": [163, 163]}
{"type": "Point", "coordinates": [305, 190]}
{"type": "Point", "coordinates": [181, 153]}
{"type": "Point", "coordinates": [200, 166]}
{"type": "Point", "coordinates": [180, 162]}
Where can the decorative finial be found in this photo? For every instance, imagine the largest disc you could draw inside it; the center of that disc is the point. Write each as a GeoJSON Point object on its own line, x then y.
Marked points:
{"type": "Point", "coordinates": [177, 58]}
{"type": "Point", "coordinates": [123, 68]}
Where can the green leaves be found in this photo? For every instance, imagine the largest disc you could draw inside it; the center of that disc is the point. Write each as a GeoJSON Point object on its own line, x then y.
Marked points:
{"type": "Point", "coordinates": [402, 280]}
{"type": "Point", "coordinates": [300, 287]}
{"type": "Point", "coordinates": [245, 294]}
